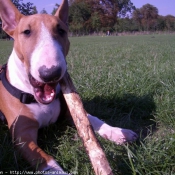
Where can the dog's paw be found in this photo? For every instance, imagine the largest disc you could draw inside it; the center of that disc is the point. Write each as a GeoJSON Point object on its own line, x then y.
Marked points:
{"type": "Point", "coordinates": [117, 135]}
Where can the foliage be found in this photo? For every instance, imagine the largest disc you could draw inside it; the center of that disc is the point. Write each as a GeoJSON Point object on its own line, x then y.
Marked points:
{"type": "Point", "coordinates": [26, 9]}
{"type": "Point", "coordinates": [146, 17]}
{"type": "Point", "coordinates": [95, 15]}
{"type": "Point", "coordinates": [89, 16]}
{"type": "Point", "coordinates": [170, 22]}
{"type": "Point", "coordinates": [35, 11]}
{"type": "Point", "coordinates": [79, 17]}
{"type": "Point", "coordinates": [43, 11]}
{"type": "Point", "coordinates": [149, 15]}
{"type": "Point", "coordinates": [126, 25]}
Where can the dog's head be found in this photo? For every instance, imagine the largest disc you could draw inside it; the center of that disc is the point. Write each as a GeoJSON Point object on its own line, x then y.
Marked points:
{"type": "Point", "coordinates": [41, 43]}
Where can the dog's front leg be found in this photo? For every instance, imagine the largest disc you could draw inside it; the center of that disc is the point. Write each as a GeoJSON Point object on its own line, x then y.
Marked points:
{"type": "Point", "coordinates": [24, 133]}
{"type": "Point", "coordinates": [117, 135]}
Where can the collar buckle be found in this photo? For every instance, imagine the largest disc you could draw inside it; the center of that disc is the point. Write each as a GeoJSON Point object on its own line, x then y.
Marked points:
{"type": "Point", "coordinates": [26, 98]}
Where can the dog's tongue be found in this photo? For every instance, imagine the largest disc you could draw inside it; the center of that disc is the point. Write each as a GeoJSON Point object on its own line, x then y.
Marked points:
{"type": "Point", "coordinates": [44, 92]}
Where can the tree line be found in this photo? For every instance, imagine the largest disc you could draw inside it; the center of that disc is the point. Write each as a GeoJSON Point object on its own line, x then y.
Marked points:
{"type": "Point", "coordinates": [112, 16]}
{"type": "Point", "coordinates": [116, 16]}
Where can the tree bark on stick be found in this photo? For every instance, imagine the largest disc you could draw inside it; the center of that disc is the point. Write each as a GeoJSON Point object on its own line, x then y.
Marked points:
{"type": "Point", "coordinates": [85, 131]}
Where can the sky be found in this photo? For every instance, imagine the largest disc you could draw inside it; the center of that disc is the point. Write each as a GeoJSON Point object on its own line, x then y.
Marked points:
{"type": "Point", "coordinates": [165, 7]}
{"type": "Point", "coordinates": [48, 5]}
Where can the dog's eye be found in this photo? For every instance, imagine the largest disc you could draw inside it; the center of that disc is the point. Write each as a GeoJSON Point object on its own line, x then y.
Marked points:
{"type": "Point", "coordinates": [27, 32]}
{"type": "Point", "coordinates": [61, 31]}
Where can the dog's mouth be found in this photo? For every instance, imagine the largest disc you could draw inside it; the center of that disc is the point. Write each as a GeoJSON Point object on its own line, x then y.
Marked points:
{"type": "Point", "coordinates": [44, 92]}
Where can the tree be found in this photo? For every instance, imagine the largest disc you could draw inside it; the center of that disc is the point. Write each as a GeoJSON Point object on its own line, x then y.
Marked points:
{"type": "Point", "coordinates": [79, 17]}
{"type": "Point", "coordinates": [95, 22]}
{"type": "Point", "coordinates": [137, 17]}
{"type": "Point", "coordinates": [25, 9]}
{"type": "Point", "coordinates": [43, 11]}
{"type": "Point", "coordinates": [161, 24]}
{"type": "Point", "coordinates": [96, 15]}
{"type": "Point", "coordinates": [126, 25]}
{"type": "Point", "coordinates": [109, 10]}
{"type": "Point", "coordinates": [149, 16]}
{"type": "Point", "coordinates": [34, 11]}
{"type": "Point", "coordinates": [146, 17]}
{"type": "Point", "coordinates": [28, 9]}
{"type": "Point", "coordinates": [170, 22]}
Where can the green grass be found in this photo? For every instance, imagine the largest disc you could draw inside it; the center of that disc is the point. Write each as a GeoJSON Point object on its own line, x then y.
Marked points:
{"type": "Point", "coordinates": [128, 82]}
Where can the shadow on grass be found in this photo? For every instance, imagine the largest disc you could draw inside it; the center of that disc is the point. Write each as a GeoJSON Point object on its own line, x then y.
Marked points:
{"type": "Point", "coordinates": [127, 111]}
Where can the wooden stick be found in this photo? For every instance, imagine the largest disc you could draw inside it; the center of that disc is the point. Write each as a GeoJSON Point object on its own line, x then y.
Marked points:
{"type": "Point", "coordinates": [85, 131]}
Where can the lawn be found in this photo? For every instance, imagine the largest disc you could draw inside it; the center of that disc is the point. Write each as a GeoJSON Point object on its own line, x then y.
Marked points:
{"type": "Point", "coordinates": [128, 82]}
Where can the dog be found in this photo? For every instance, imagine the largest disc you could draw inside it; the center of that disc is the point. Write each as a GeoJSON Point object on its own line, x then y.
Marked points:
{"type": "Point", "coordinates": [30, 94]}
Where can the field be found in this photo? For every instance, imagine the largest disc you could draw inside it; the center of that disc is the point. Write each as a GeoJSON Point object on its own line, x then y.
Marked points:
{"type": "Point", "coordinates": [127, 81]}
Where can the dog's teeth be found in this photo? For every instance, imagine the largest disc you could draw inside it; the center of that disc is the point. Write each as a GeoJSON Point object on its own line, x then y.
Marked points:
{"type": "Point", "coordinates": [48, 98]}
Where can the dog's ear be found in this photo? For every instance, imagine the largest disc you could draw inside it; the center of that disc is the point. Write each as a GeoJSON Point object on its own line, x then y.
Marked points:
{"type": "Point", "coordinates": [63, 11]}
{"type": "Point", "coordinates": [10, 16]}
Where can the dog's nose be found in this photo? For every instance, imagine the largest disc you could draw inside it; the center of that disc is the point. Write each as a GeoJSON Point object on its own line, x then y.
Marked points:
{"type": "Point", "coordinates": [50, 74]}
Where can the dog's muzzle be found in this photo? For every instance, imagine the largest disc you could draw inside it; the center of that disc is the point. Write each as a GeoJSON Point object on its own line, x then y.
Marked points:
{"type": "Point", "coordinates": [45, 90]}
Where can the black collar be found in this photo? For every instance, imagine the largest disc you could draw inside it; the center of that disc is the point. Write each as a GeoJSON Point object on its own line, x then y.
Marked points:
{"type": "Point", "coordinates": [23, 97]}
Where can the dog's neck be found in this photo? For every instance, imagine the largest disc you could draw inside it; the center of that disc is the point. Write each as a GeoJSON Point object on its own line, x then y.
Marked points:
{"type": "Point", "coordinates": [17, 74]}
